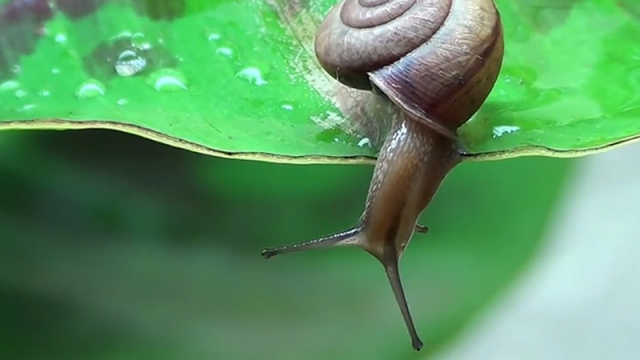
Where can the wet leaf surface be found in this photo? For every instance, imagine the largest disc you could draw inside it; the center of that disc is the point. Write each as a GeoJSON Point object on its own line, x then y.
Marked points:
{"type": "Point", "coordinates": [239, 78]}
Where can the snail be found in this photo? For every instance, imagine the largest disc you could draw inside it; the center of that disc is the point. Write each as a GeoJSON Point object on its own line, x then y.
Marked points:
{"type": "Point", "coordinates": [435, 62]}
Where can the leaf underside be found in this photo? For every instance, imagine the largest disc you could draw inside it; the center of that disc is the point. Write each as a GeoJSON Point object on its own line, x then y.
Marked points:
{"type": "Point", "coordinates": [239, 78]}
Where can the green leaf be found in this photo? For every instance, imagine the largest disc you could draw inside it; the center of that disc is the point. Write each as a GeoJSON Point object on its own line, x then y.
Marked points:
{"type": "Point", "coordinates": [239, 78]}
{"type": "Point", "coordinates": [563, 86]}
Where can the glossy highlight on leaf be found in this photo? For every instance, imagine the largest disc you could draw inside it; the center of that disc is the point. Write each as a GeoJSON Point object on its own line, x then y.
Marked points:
{"type": "Point", "coordinates": [239, 78]}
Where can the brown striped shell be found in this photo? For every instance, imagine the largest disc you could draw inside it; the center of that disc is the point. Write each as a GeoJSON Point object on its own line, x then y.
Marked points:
{"type": "Point", "coordinates": [436, 59]}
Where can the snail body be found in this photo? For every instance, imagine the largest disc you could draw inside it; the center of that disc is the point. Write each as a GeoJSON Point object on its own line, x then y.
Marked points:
{"type": "Point", "coordinates": [435, 62]}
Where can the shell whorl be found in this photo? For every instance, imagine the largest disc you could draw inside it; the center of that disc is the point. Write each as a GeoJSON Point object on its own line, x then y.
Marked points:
{"type": "Point", "coordinates": [436, 59]}
{"type": "Point", "coordinates": [359, 36]}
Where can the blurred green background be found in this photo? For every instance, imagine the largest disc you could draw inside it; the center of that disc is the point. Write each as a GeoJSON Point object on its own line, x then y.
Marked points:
{"type": "Point", "coordinates": [116, 247]}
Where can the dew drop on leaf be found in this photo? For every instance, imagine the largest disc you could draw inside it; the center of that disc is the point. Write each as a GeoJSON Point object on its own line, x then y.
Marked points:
{"type": "Point", "coordinates": [364, 142]}
{"type": "Point", "coordinates": [139, 41]}
{"type": "Point", "coordinates": [167, 80]}
{"type": "Point", "coordinates": [61, 38]}
{"type": "Point", "coordinates": [505, 129]}
{"type": "Point", "coordinates": [90, 88]}
{"type": "Point", "coordinates": [224, 51]}
{"type": "Point", "coordinates": [27, 107]}
{"type": "Point", "coordinates": [9, 85]}
{"type": "Point", "coordinates": [253, 75]}
{"type": "Point", "coordinates": [127, 55]}
{"type": "Point", "coordinates": [129, 63]}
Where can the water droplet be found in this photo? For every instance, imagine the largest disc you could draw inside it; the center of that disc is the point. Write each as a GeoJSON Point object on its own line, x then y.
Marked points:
{"type": "Point", "coordinates": [55, 71]}
{"type": "Point", "coordinates": [122, 101]}
{"type": "Point", "coordinates": [139, 41]}
{"type": "Point", "coordinates": [364, 142]}
{"type": "Point", "coordinates": [130, 63]}
{"type": "Point", "coordinates": [287, 107]}
{"type": "Point", "coordinates": [338, 135]}
{"type": "Point", "coordinates": [44, 93]}
{"type": "Point", "coordinates": [27, 107]}
{"type": "Point", "coordinates": [15, 69]}
{"type": "Point", "coordinates": [504, 129]}
{"type": "Point", "coordinates": [253, 75]}
{"type": "Point", "coordinates": [214, 36]}
{"type": "Point", "coordinates": [61, 38]}
{"type": "Point", "coordinates": [90, 88]}
{"type": "Point", "coordinates": [20, 93]}
{"type": "Point", "coordinates": [124, 34]}
{"type": "Point", "coordinates": [9, 85]}
{"type": "Point", "coordinates": [167, 80]}
{"type": "Point", "coordinates": [224, 51]}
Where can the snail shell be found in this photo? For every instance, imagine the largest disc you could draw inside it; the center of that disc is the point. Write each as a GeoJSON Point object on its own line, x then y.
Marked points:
{"type": "Point", "coordinates": [436, 59]}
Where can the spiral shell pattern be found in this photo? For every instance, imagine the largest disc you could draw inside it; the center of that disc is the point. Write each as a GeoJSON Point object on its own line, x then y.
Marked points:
{"type": "Point", "coordinates": [436, 59]}
{"type": "Point", "coordinates": [359, 36]}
